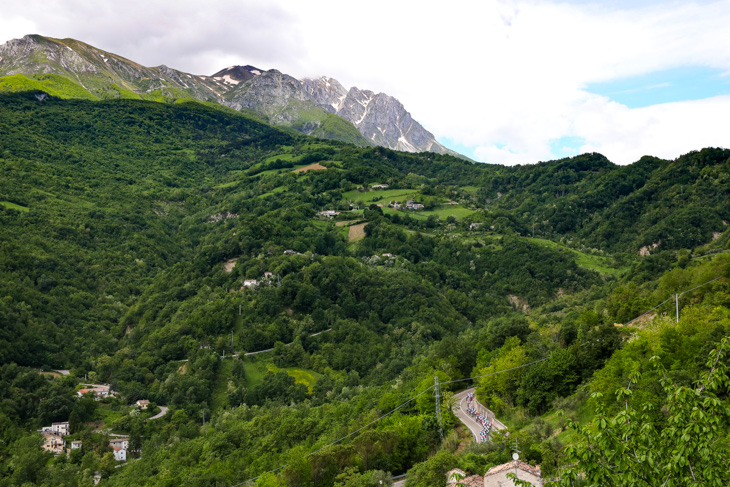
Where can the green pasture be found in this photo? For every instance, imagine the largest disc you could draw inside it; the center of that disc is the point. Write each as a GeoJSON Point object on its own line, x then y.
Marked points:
{"type": "Point", "coordinates": [301, 376]}
{"type": "Point", "coordinates": [587, 261]}
{"type": "Point", "coordinates": [14, 206]}
{"type": "Point", "coordinates": [377, 196]}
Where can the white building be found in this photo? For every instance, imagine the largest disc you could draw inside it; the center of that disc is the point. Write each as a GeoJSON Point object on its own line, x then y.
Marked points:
{"type": "Point", "coordinates": [76, 444]}
{"type": "Point", "coordinates": [60, 428]}
{"type": "Point", "coordinates": [120, 454]}
{"type": "Point", "coordinates": [100, 392]}
{"type": "Point", "coordinates": [328, 213]}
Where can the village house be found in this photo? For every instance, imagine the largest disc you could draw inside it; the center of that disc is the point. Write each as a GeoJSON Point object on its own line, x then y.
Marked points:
{"type": "Point", "coordinates": [252, 283]}
{"type": "Point", "coordinates": [99, 392]}
{"type": "Point", "coordinates": [328, 213]}
{"type": "Point", "coordinates": [120, 454]}
{"type": "Point", "coordinates": [379, 186]}
{"type": "Point", "coordinates": [475, 225]}
{"type": "Point", "coordinates": [458, 476]}
{"type": "Point", "coordinates": [60, 428]}
{"type": "Point", "coordinates": [497, 476]}
{"type": "Point", "coordinates": [76, 444]}
{"type": "Point", "coordinates": [121, 442]}
{"type": "Point", "coordinates": [395, 205]}
{"type": "Point", "coordinates": [53, 443]}
{"type": "Point", "coordinates": [142, 403]}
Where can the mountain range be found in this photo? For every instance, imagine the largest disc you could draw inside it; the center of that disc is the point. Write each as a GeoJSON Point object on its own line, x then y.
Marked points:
{"type": "Point", "coordinates": [320, 107]}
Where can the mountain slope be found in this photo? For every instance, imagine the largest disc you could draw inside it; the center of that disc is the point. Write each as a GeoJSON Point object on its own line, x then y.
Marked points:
{"type": "Point", "coordinates": [354, 116]}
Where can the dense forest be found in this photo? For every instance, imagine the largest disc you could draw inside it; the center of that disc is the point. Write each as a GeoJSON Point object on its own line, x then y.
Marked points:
{"type": "Point", "coordinates": [155, 247]}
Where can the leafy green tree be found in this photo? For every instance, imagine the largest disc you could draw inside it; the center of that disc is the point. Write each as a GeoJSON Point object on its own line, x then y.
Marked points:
{"type": "Point", "coordinates": [686, 446]}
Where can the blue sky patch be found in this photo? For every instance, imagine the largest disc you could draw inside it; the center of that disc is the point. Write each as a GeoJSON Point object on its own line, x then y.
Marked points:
{"type": "Point", "coordinates": [568, 146]}
{"type": "Point", "coordinates": [677, 84]}
{"type": "Point", "coordinates": [461, 149]}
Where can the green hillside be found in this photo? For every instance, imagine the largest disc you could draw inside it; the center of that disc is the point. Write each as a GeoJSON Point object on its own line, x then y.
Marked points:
{"type": "Point", "coordinates": [131, 232]}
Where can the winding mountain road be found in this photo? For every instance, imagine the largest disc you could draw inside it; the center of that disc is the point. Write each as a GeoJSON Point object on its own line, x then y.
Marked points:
{"type": "Point", "coordinates": [459, 409]}
{"type": "Point", "coordinates": [163, 411]}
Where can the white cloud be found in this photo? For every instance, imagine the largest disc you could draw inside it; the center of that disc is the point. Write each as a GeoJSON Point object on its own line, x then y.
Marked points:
{"type": "Point", "coordinates": [506, 77]}
{"type": "Point", "coordinates": [666, 130]}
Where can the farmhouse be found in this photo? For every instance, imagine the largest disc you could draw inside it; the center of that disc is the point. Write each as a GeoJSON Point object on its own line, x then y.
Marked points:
{"type": "Point", "coordinates": [121, 442]}
{"type": "Point", "coordinates": [99, 392]}
{"type": "Point", "coordinates": [328, 213]}
{"type": "Point", "coordinates": [120, 454]}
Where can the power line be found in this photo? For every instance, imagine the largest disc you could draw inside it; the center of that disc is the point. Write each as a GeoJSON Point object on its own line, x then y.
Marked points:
{"type": "Point", "coordinates": [344, 437]}
{"type": "Point", "coordinates": [672, 297]}
{"type": "Point", "coordinates": [391, 412]}
{"type": "Point", "coordinates": [460, 380]}
{"type": "Point", "coordinates": [498, 372]}
{"type": "Point", "coordinates": [713, 280]}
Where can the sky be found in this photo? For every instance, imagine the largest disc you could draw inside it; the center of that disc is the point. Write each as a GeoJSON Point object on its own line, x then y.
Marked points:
{"type": "Point", "coordinates": [501, 81]}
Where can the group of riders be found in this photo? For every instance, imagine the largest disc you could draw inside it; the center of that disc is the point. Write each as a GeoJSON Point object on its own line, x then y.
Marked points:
{"type": "Point", "coordinates": [478, 417]}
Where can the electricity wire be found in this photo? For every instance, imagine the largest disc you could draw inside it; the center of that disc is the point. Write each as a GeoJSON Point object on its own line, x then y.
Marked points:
{"type": "Point", "coordinates": [391, 412]}
{"type": "Point", "coordinates": [672, 297]}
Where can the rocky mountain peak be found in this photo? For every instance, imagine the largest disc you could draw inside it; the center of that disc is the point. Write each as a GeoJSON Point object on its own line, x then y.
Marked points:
{"type": "Point", "coordinates": [234, 75]}
{"type": "Point", "coordinates": [325, 92]}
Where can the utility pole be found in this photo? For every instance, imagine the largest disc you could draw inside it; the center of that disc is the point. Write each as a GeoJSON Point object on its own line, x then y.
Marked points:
{"type": "Point", "coordinates": [203, 417]}
{"type": "Point", "coordinates": [676, 299]}
{"type": "Point", "coordinates": [437, 396]}
{"type": "Point", "coordinates": [239, 310]}
{"type": "Point", "coordinates": [231, 339]}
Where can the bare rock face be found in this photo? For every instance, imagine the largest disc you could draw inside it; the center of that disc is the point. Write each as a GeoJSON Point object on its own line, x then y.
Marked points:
{"type": "Point", "coordinates": [268, 93]}
{"type": "Point", "coordinates": [325, 92]}
{"type": "Point", "coordinates": [381, 119]}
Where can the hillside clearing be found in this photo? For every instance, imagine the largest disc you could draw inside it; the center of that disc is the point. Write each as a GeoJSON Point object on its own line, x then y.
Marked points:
{"type": "Point", "coordinates": [312, 167]}
{"type": "Point", "coordinates": [356, 232]}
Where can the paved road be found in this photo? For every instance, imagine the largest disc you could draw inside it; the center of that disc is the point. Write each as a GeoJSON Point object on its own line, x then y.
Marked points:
{"type": "Point", "coordinates": [460, 412]}
{"type": "Point", "coordinates": [163, 411]}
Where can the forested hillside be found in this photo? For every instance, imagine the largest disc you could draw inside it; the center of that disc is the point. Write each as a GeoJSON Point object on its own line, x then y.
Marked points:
{"type": "Point", "coordinates": [153, 246]}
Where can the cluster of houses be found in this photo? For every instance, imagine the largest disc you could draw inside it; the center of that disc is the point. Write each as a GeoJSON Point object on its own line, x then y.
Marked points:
{"type": "Point", "coordinates": [54, 442]}
{"type": "Point", "coordinates": [410, 205]}
{"type": "Point", "coordinates": [53, 436]}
